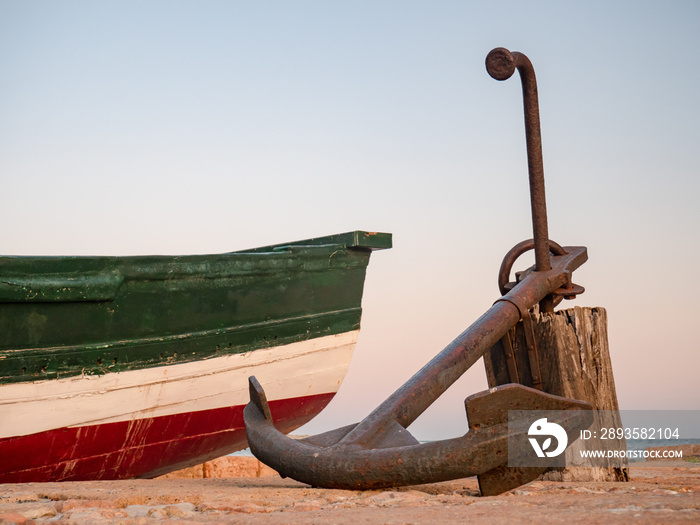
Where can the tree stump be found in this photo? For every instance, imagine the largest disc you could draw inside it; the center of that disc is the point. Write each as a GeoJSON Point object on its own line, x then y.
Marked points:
{"type": "Point", "coordinates": [573, 359]}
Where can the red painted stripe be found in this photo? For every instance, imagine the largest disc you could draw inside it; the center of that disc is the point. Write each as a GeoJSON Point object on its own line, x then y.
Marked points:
{"type": "Point", "coordinates": [141, 448]}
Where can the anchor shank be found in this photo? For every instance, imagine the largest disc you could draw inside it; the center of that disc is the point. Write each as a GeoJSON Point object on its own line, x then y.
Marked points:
{"type": "Point", "coordinates": [430, 382]}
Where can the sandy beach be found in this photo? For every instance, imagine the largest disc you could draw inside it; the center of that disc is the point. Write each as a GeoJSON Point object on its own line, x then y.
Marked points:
{"type": "Point", "coordinates": [655, 494]}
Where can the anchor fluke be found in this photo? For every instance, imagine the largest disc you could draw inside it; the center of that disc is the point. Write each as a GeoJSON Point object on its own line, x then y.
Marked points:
{"type": "Point", "coordinates": [493, 409]}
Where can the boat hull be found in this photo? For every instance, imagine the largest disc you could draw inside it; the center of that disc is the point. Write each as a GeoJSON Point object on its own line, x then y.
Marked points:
{"type": "Point", "coordinates": [120, 426]}
{"type": "Point", "coordinates": [80, 401]}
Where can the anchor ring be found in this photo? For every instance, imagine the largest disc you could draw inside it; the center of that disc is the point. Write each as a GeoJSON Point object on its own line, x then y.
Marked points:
{"type": "Point", "coordinates": [515, 252]}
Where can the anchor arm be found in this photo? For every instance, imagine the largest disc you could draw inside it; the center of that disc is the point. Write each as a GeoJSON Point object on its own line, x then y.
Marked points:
{"type": "Point", "coordinates": [479, 451]}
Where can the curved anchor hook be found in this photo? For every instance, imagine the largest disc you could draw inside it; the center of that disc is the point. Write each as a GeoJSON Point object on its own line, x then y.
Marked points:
{"type": "Point", "coordinates": [380, 452]}
{"type": "Point", "coordinates": [396, 458]}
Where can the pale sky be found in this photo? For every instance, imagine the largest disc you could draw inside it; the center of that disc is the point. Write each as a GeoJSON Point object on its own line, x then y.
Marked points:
{"type": "Point", "coordinates": [203, 127]}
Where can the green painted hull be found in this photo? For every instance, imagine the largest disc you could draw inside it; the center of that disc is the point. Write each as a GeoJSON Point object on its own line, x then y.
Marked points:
{"type": "Point", "coordinates": [68, 316]}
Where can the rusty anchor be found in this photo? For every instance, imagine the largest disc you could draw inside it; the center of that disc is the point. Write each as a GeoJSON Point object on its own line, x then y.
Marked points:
{"type": "Point", "coordinates": [379, 451]}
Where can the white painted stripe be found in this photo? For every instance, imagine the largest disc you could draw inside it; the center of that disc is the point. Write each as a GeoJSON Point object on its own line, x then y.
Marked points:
{"type": "Point", "coordinates": [305, 368]}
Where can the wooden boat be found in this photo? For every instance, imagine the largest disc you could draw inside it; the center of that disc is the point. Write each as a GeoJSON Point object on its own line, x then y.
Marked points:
{"type": "Point", "coordinates": [121, 367]}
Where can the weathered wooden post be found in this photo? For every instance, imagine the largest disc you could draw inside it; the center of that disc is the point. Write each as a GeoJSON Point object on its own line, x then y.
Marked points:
{"type": "Point", "coordinates": [572, 359]}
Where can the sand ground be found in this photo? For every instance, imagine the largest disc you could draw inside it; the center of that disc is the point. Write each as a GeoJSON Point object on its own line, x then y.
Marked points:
{"type": "Point", "coordinates": [667, 494]}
